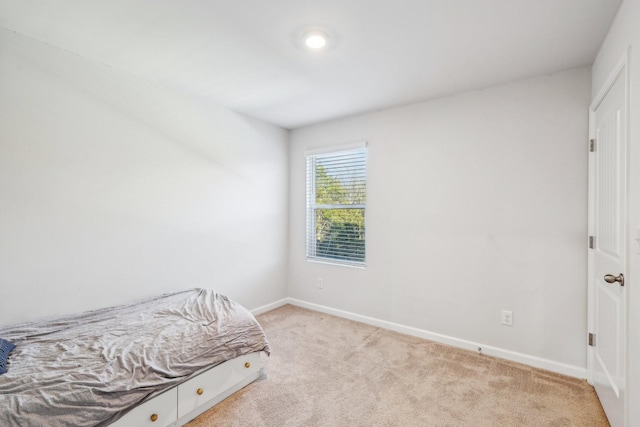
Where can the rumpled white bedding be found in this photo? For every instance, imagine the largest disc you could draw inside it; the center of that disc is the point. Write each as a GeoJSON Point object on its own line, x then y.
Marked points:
{"type": "Point", "coordinates": [91, 368]}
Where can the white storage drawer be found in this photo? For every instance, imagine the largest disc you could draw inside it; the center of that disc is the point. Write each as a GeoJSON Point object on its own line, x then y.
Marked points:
{"type": "Point", "coordinates": [181, 404]}
{"type": "Point", "coordinates": [198, 392]}
{"type": "Point", "coordinates": [161, 411]}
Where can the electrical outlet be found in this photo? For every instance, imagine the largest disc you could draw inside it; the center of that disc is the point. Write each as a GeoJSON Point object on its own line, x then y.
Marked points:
{"type": "Point", "coordinates": [320, 283]}
{"type": "Point", "coordinates": [507, 318]}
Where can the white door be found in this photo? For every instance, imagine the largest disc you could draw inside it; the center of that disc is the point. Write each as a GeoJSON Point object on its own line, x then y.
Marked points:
{"type": "Point", "coordinates": [607, 260]}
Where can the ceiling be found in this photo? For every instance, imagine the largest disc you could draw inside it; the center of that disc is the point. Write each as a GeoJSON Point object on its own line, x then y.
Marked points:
{"type": "Point", "coordinates": [248, 54]}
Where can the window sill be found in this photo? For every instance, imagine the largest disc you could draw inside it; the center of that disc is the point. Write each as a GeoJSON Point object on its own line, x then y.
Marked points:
{"type": "Point", "coordinates": [360, 266]}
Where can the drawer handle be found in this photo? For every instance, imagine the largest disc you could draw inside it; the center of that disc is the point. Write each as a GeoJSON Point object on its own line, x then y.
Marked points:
{"type": "Point", "coordinates": [200, 391]}
{"type": "Point", "coordinates": [154, 417]}
{"type": "Point", "coordinates": [247, 365]}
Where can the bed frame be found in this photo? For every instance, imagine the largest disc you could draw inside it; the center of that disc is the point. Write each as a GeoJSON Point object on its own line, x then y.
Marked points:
{"type": "Point", "coordinates": [180, 404]}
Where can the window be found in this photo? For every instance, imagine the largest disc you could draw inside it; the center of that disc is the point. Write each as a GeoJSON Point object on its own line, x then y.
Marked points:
{"type": "Point", "coordinates": [336, 205]}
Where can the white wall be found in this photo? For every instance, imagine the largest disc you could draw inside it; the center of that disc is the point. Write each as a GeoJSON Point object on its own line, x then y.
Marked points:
{"type": "Point", "coordinates": [112, 188]}
{"type": "Point", "coordinates": [625, 33]}
{"type": "Point", "coordinates": [476, 203]}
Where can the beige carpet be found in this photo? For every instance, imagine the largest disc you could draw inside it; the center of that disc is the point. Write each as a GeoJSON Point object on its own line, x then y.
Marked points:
{"type": "Point", "coordinates": [328, 371]}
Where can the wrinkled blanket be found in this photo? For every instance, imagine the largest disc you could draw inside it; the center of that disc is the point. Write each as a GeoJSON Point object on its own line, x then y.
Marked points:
{"type": "Point", "coordinates": [91, 368]}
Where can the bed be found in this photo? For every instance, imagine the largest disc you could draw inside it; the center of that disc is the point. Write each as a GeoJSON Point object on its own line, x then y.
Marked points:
{"type": "Point", "coordinates": [161, 361]}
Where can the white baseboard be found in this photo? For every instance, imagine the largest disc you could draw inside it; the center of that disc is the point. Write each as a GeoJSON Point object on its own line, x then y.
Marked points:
{"type": "Point", "coordinates": [271, 306]}
{"type": "Point", "coordinates": [537, 362]}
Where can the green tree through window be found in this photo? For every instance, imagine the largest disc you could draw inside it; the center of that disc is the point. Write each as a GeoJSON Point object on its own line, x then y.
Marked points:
{"type": "Point", "coordinates": [336, 199]}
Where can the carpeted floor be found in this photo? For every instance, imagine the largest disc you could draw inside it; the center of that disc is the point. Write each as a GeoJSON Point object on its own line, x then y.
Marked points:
{"type": "Point", "coordinates": [328, 371]}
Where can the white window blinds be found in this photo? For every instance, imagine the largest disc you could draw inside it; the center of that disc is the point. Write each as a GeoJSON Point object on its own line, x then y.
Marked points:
{"type": "Point", "coordinates": [336, 205]}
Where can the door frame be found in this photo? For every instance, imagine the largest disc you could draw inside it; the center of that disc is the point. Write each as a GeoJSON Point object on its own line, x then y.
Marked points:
{"type": "Point", "coordinates": [622, 66]}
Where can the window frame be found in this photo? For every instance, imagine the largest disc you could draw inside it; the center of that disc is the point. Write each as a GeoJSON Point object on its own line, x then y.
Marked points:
{"type": "Point", "coordinates": [312, 207]}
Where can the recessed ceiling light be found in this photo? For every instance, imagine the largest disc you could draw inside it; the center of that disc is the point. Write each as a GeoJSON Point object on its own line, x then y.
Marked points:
{"type": "Point", "coordinates": [315, 40]}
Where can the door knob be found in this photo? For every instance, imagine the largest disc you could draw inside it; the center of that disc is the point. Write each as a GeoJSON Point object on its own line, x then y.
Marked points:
{"type": "Point", "coordinates": [610, 278]}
